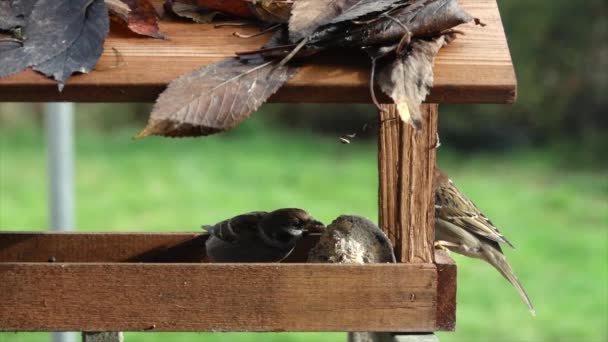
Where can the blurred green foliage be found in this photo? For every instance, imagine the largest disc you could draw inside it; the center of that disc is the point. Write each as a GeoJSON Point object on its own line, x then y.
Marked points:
{"type": "Point", "coordinates": [560, 52]}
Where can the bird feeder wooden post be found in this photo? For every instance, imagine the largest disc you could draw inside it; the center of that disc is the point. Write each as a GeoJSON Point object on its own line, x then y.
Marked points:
{"type": "Point", "coordinates": [111, 282]}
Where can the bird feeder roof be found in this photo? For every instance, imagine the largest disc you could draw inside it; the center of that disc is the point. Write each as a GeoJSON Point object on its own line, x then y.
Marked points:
{"type": "Point", "coordinates": [475, 68]}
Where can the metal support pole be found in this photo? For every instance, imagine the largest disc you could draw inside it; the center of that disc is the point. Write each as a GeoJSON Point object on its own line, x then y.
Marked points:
{"type": "Point", "coordinates": [59, 118]}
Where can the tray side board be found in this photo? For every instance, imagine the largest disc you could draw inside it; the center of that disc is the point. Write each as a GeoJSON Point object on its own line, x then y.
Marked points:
{"type": "Point", "coordinates": [149, 282]}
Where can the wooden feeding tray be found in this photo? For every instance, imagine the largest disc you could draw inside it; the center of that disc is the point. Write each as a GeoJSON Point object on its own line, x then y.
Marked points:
{"type": "Point", "coordinates": [160, 282]}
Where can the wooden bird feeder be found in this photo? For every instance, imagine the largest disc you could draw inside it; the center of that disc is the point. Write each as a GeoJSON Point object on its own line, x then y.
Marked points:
{"type": "Point", "coordinates": [109, 282]}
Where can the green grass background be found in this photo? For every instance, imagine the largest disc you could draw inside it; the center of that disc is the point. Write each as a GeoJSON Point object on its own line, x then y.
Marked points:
{"type": "Point", "coordinates": [556, 216]}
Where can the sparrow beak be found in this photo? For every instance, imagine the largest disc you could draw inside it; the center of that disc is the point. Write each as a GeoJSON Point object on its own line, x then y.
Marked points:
{"type": "Point", "coordinates": [313, 226]}
{"type": "Point", "coordinates": [295, 231]}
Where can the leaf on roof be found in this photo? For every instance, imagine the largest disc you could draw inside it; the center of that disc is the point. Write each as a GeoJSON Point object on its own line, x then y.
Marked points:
{"type": "Point", "coordinates": [238, 8]}
{"type": "Point", "coordinates": [308, 15]}
{"type": "Point", "coordinates": [364, 8]}
{"type": "Point", "coordinates": [191, 11]}
{"type": "Point", "coordinates": [139, 16]}
{"type": "Point", "coordinates": [14, 13]}
{"type": "Point", "coordinates": [52, 28]}
{"type": "Point", "coordinates": [83, 54]}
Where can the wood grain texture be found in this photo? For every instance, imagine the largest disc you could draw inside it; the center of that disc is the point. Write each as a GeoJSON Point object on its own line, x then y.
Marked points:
{"type": "Point", "coordinates": [476, 68]}
{"type": "Point", "coordinates": [446, 291]}
{"type": "Point", "coordinates": [116, 247]}
{"type": "Point", "coordinates": [406, 162]}
{"type": "Point", "coordinates": [116, 282]}
{"type": "Point", "coordinates": [217, 297]}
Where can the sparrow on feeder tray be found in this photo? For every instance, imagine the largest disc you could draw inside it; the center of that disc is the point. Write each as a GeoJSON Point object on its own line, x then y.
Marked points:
{"type": "Point", "coordinates": [259, 236]}
{"type": "Point", "coordinates": [352, 239]}
{"type": "Point", "coordinates": [462, 228]}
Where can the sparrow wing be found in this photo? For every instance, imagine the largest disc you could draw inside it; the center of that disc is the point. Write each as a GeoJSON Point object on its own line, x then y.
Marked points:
{"type": "Point", "coordinates": [237, 228]}
{"type": "Point", "coordinates": [451, 205]}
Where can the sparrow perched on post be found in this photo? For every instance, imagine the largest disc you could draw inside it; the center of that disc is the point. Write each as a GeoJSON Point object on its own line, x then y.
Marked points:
{"type": "Point", "coordinates": [352, 239]}
{"type": "Point", "coordinates": [462, 228]}
{"type": "Point", "coordinates": [258, 236]}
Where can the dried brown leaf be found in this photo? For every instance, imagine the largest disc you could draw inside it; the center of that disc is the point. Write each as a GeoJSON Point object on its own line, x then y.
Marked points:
{"type": "Point", "coordinates": [14, 13]}
{"type": "Point", "coordinates": [309, 15]}
{"type": "Point", "coordinates": [51, 28]}
{"type": "Point", "coordinates": [433, 16]}
{"type": "Point", "coordinates": [84, 53]}
{"type": "Point", "coordinates": [193, 12]}
{"type": "Point", "coordinates": [421, 18]}
{"type": "Point", "coordinates": [408, 79]}
{"type": "Point", "coordinates": [118, 7]}
{"type": "Point", "coordinates": [215, 98]}
{"type": "Point", "coordinates": [239, 8]}
{"type": "Point", "coordinates": [140, 16]}
{"type": "Point", "coordinates": [272, 11]}
{"type": "Point", "coordinates": [364, 8]}
{"type": "Point", "coordinates": [397, 24]}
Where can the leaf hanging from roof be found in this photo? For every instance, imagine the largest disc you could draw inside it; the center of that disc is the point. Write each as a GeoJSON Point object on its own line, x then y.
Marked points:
{"type": "Point", "coordinates": [140, 16]}
{"type": "Point", "coordinates": [408, 79]}
{"type": "Point", "coordinates": [83, 54]}
{"type": "Point", "coordinates": [215, 98]}
{"type": "Point", "coordinates": [308, 15]}
{"type": "Point", "coordinates": [52, 27]}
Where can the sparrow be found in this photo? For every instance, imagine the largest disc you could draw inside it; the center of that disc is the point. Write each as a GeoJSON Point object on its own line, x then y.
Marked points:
{"type": "Point", "coordinates": [462, 228]}
{"type": "Point", "coordinates": [258, 236]}
{"type": "Point", "coordinates": [352, 239]}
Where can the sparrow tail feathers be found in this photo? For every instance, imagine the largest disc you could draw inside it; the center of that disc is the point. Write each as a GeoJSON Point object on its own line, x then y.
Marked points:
{"type": "Point", "coordinates": [499, 261]}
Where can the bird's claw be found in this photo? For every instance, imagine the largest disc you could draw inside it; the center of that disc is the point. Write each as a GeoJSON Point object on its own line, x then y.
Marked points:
{"type": "Point", "coordinates": [443, 245]}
